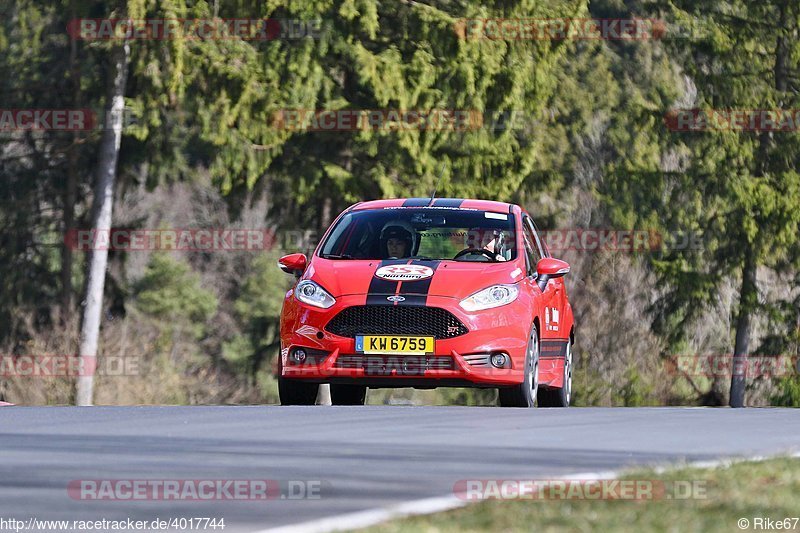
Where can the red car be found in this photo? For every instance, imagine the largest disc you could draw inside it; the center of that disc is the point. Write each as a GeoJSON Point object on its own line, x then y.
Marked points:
{"type": "Point", "coordinates": [428, 293]}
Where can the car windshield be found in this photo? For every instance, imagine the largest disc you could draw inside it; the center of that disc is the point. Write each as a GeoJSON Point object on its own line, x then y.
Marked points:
{"type": "Point", "coordinates": [423, 233]}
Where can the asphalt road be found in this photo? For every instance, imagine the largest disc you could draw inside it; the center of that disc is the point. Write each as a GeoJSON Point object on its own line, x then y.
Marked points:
{"type": "Point", "coordinates": [359, 457]}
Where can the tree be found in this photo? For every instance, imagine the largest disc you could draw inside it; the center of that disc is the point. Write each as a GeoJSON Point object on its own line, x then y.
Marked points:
{"type": "Point", "coordinates": [101, 220]}
{"type": "Point", "coordinates": [403, 56]}
{"type": "Point", "coordinates": [748, 60]}
{"type": "Point", "coordinates": [179, 97]}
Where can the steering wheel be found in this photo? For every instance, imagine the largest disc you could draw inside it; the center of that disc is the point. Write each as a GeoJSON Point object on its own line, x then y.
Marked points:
{"type": "Point", "coordinates": [476, 251]}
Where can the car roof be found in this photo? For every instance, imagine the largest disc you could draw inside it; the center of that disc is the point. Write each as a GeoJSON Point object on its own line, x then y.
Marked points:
{"type": "Point", "coordinates": [481, 205]}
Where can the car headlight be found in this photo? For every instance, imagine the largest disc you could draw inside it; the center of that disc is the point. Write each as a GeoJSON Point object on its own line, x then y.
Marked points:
{"type": "Point", "coordinates": [490, 297]}
{"type": "Point", "coordinates": [310, 293]}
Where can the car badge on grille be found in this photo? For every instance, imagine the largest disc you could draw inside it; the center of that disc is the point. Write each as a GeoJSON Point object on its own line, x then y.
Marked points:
{"type": "Point", "coordinates": [396, 298]}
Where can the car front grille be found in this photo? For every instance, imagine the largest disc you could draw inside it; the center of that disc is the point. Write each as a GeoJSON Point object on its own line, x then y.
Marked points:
{"type": "Point", "coordinates": [396, 320]}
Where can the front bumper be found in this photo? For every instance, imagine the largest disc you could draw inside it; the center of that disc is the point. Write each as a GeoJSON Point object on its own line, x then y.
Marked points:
{"type": "Point", "coordinates": [503, 330]}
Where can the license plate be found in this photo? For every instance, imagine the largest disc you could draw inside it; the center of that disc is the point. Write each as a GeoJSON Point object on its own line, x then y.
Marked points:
{"type": "Point", "coordinates": [390, 344]}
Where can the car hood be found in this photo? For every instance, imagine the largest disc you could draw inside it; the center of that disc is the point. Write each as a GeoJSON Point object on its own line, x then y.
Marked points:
{"type": "Point", "coordinates": [453, 279]}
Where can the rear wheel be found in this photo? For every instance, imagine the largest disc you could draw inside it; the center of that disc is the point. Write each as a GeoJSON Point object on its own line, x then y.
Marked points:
{"type": "Point", "coordinates": [297, 392]}
{"type": "Point", "coordinates": [524, 394]}
{"type": "Point", "coordinates": [348, 394]}
{"type": "Point", "coordinates": [562, 396]}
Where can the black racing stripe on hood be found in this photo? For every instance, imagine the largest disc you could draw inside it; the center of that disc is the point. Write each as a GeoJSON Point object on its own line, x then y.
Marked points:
{"type": "Point", "coordinates": [448, 202]}
{"type": "Point", "coordinates": [416, 202]}
{"type": "Point", "coordinates": [380, 288]}
{"type": "Point", "coordinates": [416, 292]}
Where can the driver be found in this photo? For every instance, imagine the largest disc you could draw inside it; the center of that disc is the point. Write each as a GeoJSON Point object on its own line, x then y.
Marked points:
{"type": "Point", "coordinates": [486, 239]}
{"type": "Point", "coordinates": [397, 239]}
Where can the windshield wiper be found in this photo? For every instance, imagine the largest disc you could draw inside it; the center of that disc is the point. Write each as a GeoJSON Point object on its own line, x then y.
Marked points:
{"type": "Point", "coordinates": [334, 256]}
{"type": "Point", "coordinates": [423, 258]}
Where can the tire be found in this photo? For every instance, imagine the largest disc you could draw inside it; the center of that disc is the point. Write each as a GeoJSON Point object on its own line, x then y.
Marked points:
{"type": "Point", "coordinates": [524, 394]}
{"type": "Point", "coordinates": [348, 394]}
{"type": "Point", "coordinates": [297, 392]}
{"type": "Point", "coordinates": [559, 397]}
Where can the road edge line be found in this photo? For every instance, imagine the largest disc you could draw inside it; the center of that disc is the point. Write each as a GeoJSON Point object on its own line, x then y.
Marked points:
{"type": "Point", "coordinates": [370, 517]}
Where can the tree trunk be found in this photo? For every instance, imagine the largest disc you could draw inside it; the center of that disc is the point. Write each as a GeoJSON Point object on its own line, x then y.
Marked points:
{"type": "Point", "coordinates": [70, 197]}
{"type": "Point", "coordinates": [70, 190]}
{"type": "Point", "coordinates": [748, 297]}
{"type": "Point", "coordinates": [101, 223]}
{"type": "Point", "coordinates": [325, 215]}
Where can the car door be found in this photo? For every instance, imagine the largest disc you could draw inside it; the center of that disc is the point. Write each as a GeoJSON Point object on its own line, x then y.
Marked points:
{"type": "Point", "coordinates": [533, 253]}
{"type": "Point", "coordinates": [562, 302]}
{"type": "Point", "coordinates": [553, 297]}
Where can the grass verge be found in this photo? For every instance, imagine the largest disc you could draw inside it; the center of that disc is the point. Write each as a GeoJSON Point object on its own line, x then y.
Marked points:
{"type": "Point", "coordinates": [686, 499]}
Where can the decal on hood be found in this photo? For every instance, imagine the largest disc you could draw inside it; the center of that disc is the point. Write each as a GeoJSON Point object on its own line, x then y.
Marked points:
{"type": "Point", "coordinates": [404, 272]}
{"type": "Point", "coordinates": [401, 282]}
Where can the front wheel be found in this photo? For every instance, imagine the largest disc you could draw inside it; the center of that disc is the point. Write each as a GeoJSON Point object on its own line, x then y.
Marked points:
{"type": "Point", "coordinates": [560, 397]}
{"type": "Point", "coordinates": [348, 394]}
{"type": "Point", "coordinates": [297, 392]}
{"type": "Point", "coordinates": [524, 394]}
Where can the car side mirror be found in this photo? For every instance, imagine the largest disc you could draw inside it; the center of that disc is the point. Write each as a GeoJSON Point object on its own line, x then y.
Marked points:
{"type": "Point", "coordinates": [293, 264]}
{"type": "Point", "coordinates": [550, 268]}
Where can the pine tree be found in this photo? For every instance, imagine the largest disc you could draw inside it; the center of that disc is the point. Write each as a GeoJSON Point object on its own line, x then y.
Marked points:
{"type": "Point", "coordinates": [749, 59]}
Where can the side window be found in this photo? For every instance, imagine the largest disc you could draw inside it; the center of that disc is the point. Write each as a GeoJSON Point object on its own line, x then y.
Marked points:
{"type": "Point", "coordinates": [531, 246]}
{"type": "Point", "coordinates": [539, 240]}
{"type": "Point", "coordinates": [537, 245]}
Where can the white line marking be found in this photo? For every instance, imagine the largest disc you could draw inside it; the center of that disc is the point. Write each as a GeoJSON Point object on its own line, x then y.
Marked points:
{"type": "Point", "coordinates": [371, 517]}
{"type": "Point", "coordinates": [724, 463]}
